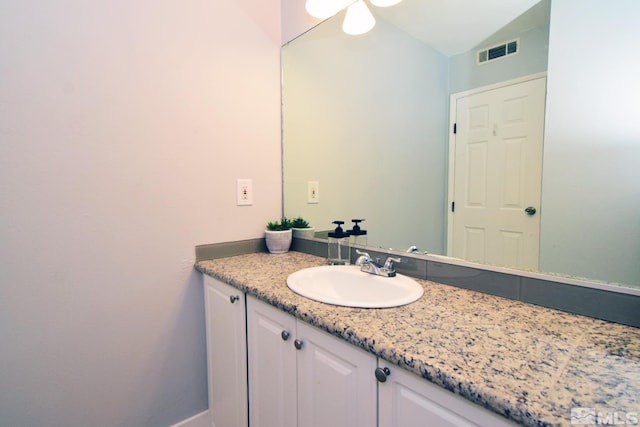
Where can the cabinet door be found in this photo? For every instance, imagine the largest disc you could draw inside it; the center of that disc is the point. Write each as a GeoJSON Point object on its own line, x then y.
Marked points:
{"type": "Point", "coordinates": [336, 382]}
{"type": "Point", "coordinates": [272, 365]}
{"type": "Point", "coordinates": [406, 400]}
{"type": "Point", "coordinates": [226, 353]}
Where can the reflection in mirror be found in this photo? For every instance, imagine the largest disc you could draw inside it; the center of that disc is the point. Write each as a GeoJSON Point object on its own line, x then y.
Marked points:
{"type": "Point", "coordinates": [367, 118]}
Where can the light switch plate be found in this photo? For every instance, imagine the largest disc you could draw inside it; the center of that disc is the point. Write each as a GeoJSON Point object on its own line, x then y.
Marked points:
{"type": "Point", "coordinates": [244, 192]}
{"type": "Point", "coordinates": [313, 192]}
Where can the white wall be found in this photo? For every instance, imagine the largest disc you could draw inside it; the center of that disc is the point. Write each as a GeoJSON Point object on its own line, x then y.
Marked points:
{"type": "Point", "coordinates": [123, 126]}
{"type": "Point", "coordinates": [591, 196]}
{"type": "Point", "coordinates": [466, 73]}
{"type": "Point", "coordinates": [295, 19]}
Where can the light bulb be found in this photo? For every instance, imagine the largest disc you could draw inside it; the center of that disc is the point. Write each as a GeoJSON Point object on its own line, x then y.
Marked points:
{"type": "Point", "coordinates": [384, 3]}
{"type": "Point", "coordinates": [358, 19]}
{"type": "Point", "coordinates": [324, 8]}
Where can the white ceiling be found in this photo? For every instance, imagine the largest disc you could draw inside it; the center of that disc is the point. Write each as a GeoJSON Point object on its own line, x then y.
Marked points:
{"type": "Point", "coordinates": [452, 26]}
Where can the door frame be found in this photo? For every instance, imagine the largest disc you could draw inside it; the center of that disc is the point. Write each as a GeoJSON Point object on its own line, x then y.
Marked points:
{"type": "Point", "coordinates": [453, 108]}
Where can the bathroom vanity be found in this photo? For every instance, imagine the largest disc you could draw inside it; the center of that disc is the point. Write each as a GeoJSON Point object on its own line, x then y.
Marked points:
{"type": "Point", "coordinates": [455, 356]}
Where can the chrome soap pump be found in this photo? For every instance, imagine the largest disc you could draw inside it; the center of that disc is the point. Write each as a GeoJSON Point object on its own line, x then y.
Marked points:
{"type": "Point", "coordinates": [338, 243]}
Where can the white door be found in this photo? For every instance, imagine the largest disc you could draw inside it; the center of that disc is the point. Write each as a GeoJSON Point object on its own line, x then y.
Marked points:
{"type": "Point", "coordinates": [336, 382]}
{"type": "Point", "coordinates": [226, 354]}
{"type": "Point", "coordinates": [495, 211]}
{"type": "Point", "coordinates": [272, 366]}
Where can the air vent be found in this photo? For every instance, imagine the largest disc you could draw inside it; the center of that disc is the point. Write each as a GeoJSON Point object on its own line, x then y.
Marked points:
{"type": "Point", "coordinates": [498, 52]}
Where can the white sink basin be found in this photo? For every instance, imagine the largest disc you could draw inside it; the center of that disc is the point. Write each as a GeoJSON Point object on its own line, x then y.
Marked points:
{"type": "Point", "coordinates": [350, 287]}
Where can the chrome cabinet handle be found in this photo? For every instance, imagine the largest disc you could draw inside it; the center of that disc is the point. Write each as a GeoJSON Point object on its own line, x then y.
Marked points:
{"type": "Point", "coordinates": [234, 298]}
{"type": "Point", "coordinates": [298, 344]}
{"type": "Point", "coordinates": [382, 374]}
{"type": "Point", "coordinates": [285, 335]}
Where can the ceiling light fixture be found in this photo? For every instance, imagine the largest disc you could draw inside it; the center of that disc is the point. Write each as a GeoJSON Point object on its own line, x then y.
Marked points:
{"type": "Point", "coordinates": [325, 8]}
{"type": "Point", "coordinates": [358, 19]}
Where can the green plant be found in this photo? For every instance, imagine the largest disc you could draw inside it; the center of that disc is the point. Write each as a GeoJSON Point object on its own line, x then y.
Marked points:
{"type": "Point", "coordinates": [300, 222]}
{"type": "Point", "coordinates": [282, 225]}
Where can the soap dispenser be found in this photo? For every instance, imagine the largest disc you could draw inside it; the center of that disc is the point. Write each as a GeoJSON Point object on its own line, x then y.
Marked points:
{"type": "Point", "coordinates": [338, 242]}
{"type": "Point", "coordinates": [357, 236]}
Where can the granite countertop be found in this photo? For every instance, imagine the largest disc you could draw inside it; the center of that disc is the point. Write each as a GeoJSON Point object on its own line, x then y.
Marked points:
{"type": "Point", "coordinates": [531, 364]}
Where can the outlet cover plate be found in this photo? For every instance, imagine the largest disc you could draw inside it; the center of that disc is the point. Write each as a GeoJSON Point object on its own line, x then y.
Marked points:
{"type": "Point", "coordinates": [244, 192]}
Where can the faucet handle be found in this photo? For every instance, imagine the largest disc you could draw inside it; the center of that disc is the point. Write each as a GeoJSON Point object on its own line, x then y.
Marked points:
{"type": "Point", "coordinates": [364, 258]}
{"type": "Point", "coordinates": [363, 253]}
{"type": "Point", "coordinates": [388, 264]}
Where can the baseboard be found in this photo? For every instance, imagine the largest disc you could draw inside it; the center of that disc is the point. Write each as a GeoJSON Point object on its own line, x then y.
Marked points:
{"type": "Point", "coordinates": [198, 420]}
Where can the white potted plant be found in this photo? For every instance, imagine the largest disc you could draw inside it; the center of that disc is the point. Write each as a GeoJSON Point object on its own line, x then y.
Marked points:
{"type": "Point", "coordinates": [278, 236]}
{"type": "Point", "coordinates": [301, 228]}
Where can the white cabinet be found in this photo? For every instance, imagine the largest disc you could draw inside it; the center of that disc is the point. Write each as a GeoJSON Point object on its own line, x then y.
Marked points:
{"type": "Point", "coordinates": [336, 385]}
{"type": "Point", "coordinates": [299, 375]}
{"type": "Point", "coordinates": [226, 353]}
{"type": "Point", "coordinates": [272, 366]}
{"type": "Point", "coordinates": [308, 379]}
{"type": "Point", "coordinates": [406, 400]}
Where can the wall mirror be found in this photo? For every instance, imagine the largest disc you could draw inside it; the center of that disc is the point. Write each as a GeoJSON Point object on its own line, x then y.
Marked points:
{"type": "Point", "coordinates": [367, 118]}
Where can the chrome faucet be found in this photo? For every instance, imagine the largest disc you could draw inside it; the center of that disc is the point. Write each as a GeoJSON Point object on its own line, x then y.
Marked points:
{"type": "Point", "coordinates": [371, 266]}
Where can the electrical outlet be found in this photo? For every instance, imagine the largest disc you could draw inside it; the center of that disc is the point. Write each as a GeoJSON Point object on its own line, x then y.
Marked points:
{"type": "Point", "coordinates": [313, 192]}
{"type": "Point", "coordinates": [244, 192]}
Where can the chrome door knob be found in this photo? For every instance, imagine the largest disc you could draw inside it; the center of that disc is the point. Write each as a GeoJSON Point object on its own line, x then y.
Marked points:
{"type": "Point", "coordinates": [530, 210]}
{"type": "Point", "coordinates": [382, 374]}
